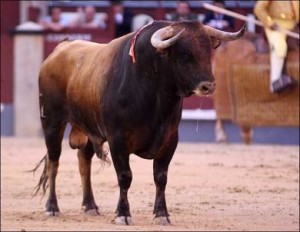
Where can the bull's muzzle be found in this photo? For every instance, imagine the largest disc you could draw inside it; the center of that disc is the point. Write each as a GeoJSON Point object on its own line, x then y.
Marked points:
{"type": "Point", "coordinates": [205, 88]}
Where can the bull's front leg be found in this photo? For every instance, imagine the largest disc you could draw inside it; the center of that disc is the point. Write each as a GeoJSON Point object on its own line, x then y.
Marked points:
{"type": "Point", "coordinates": [121, 163]}
{"type": "Point", "coordinates": [160, 173]}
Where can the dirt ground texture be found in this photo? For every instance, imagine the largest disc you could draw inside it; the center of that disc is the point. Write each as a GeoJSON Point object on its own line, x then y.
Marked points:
{"type": "Point", "coordinates": [210, 187]}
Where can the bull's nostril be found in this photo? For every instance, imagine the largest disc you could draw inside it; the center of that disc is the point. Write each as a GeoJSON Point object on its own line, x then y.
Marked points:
{"type": "Point", "coordinates": [204, 88]}
{"type": "Point", "coordinates": [207, 88]}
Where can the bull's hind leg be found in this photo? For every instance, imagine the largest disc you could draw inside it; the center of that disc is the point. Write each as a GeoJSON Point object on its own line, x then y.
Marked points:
{"type": "Point", "coordinates": [79, 140]}
{"type": "Point", "coordinates": [54, 119]}
{"type": "Point", "coordinates": [53, 138]}
{"type": "Point", "coordinates": [85, 156]}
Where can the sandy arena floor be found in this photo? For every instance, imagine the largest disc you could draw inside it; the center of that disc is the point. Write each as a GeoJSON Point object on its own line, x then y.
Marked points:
{"type": "Point", "coordinates": [210, 187]}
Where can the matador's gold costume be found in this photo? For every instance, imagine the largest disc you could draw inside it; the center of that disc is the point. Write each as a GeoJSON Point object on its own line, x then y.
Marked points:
{"type": "Point", "coordinates": [284, 14]}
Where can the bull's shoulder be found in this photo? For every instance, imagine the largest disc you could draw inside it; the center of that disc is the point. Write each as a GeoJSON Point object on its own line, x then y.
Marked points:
{"type": "Point", "coordinates": [77, 46]}
{"type": "Point", "coordinates": [67, 56]}
{"type": "Point", "coordinates": [69, 52]}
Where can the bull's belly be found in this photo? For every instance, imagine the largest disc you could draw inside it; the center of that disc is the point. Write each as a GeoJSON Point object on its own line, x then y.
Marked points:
{"type": "Point", "coordinates": [150, 146]}
{"type": "Point", "coordinates": [145, 153]}
{"type": "Point", "coordinates": [88, 125]}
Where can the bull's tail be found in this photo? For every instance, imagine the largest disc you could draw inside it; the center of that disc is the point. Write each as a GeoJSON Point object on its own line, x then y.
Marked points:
{"type": "Point", "coordinates": [102, 154]}
{"type": "Point", "coordinates": [43, 182]}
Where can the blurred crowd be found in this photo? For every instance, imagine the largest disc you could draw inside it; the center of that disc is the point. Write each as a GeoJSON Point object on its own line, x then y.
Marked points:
{"type": "Point", "coordinates": [88, 17]}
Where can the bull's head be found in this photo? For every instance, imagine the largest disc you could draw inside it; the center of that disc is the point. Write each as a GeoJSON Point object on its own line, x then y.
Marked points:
{"type": "Point", "coordinates": [188, 48]}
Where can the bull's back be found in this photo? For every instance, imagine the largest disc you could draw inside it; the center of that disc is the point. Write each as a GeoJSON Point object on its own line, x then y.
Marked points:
{"type": "Point", "coordinates": [76, 71]}
{"type": "Point", "coordinates": [74, 77]}
{"type": "Point", "coordinates": [64, 63]}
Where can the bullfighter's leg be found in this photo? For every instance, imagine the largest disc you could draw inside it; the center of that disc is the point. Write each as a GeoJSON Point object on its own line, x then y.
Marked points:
{"type": "Point", "coordinates": [160, 172]}
{"type": "Point", "coordinates": [246, 134]}
{"type": "Point", "coordinates": [120, 157]}
{"type": "Point", "coordinates": [220, 132]}
{"type": "Point", "coordinates": [85, 156]}
{"type": "Point", "coordinates": [53, 137]}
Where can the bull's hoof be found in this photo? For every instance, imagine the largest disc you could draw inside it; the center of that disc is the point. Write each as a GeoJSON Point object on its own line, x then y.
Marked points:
{"type": "Point", "coordinates": [90, 209]}
{"type": "Point", "coordinates": [123, 220]}
{"type": "Point", "coordinates": [52, 213]}
{"type": "Point", "coordinates": [164, 221]}
{"type": "Point", "coordinates": [92, 212]}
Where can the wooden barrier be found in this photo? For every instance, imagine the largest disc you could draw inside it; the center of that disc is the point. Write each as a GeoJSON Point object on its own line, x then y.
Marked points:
{"type": "Point", "coordinates": [255, 105]}
{"type": "Point", "coordinates": [243, 93]}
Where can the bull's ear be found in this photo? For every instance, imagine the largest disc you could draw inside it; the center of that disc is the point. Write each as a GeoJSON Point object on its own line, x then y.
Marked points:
{"type": "Point", "coordinates": [215, 42]}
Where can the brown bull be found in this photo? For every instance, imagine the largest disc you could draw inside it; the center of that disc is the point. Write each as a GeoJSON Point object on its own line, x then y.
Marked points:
{"type": "Point", "coordinates": [134, 102]}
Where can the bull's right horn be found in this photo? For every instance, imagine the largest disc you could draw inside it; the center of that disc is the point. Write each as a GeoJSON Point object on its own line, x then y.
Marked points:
{"type": "Point", "coordinates": [223, 35]}
{"type": "Point", "coordinates": [159, 38]}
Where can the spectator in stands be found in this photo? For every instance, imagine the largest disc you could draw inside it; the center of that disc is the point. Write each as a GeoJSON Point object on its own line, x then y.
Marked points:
{"type": "Point", "coordinates": [275, 15]}
{"type": "Point", "coordinates": [55, 21]}
{"type": "Point", "coordinates": [217, 20]}
{"type": "Point", "coordinates": [87, 18]}
{"type": "Point", "coordinates": [183, 12]}
{"type": "Point", "coordinates": [123, 19]}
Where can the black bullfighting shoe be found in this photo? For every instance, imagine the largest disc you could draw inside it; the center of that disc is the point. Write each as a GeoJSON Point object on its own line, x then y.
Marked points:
{"type": "Point", "coordinates": [283, 84]}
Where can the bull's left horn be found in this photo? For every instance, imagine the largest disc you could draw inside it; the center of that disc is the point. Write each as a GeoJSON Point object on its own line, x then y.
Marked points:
{"type": "Point", "coordinates": [223, 35]}
{"type": "Point", "coordinates": [159, 38]}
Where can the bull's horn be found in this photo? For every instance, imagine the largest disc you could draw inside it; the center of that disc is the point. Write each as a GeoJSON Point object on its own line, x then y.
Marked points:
{"type": "Point", "coordinates": [222, 35]}
{"type": "Point", "coordinates": [159, 38]}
